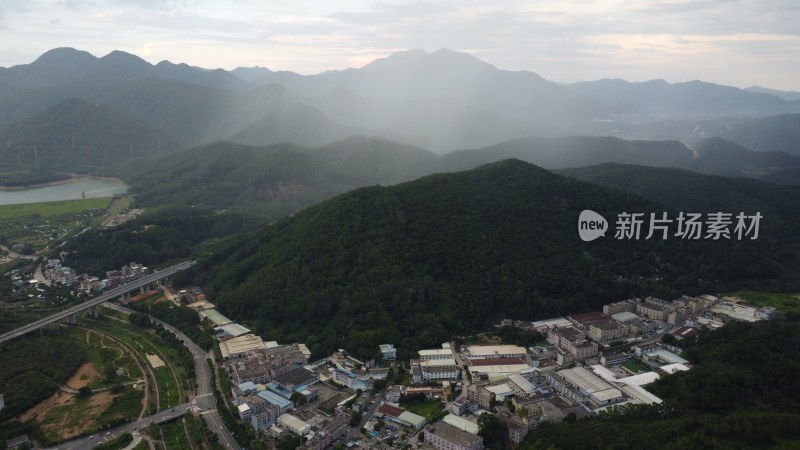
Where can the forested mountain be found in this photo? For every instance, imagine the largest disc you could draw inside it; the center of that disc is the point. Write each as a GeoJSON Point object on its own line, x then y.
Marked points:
{"type": "Point", "coordinates": [78, 136]}
{"type": "Point", "coordinates": [280, 178]}
{"type": "Point", "coordinates": [741, 393]}
{"type": "Point", "coordinates": [682, 190]}
{"type": "Point", "coordinates": [717, 156]}
{"type": "Point", "coordinates": [450, 253]}
{"type": "Point", "coordinates": [561, 152]}
{"type": "Point", "coordinates": [786, 95]}
{"type": "Point", "coordinates": [442, 101]}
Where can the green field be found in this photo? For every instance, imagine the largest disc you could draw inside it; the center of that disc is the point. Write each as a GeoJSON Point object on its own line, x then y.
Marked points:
{"type": "Point", "coordinates": [426, 409]}
{"type": "Point", "coordinates": [783, 302]}
{"type": "Point", "coordinates": [635, 366]}
{"type": "Point", "coordinates": [45, 209]}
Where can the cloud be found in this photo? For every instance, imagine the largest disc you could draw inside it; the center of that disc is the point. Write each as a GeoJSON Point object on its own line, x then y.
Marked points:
{"type": "Point", "coordinates": [739, 42]}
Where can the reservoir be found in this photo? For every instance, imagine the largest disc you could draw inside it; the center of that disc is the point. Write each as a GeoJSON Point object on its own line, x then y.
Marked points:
{"type": "Point", "coordinates": [72, 189]}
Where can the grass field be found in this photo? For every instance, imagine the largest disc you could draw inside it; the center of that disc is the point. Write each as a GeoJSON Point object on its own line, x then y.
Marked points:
{"type": "Point", "coordinates": [425, 409]}
{"type": "Point", "coordinates": [783, 302]}
{"type": "Point", "coordinates": [52, 208]}
{"type": "Point", "coordinates": [635, 366]}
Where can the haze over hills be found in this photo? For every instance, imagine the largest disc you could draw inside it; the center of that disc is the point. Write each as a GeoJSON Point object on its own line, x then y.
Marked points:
{"type": "Point", "coordinates": [660, 97]}
{"type": "Point", "coordinates": [441, 101]}
{"type": "Point", "coordinates": [78, 136]}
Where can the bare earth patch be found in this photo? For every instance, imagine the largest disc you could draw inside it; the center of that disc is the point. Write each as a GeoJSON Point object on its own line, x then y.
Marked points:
{"type": "Point", "coordinates": [59, 398]}
{"type": "Point", "coordinates": [85, 375]}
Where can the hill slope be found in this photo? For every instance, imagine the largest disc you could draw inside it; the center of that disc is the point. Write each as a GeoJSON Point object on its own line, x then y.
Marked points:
{"type": "Point", "coordinates": [75, 135]}
{"type": "Point", "coordinates": [413, 263]}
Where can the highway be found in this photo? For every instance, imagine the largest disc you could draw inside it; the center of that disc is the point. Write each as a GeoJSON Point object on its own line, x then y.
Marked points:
{"type": "Point", "coordinates": [204, 397]}
{"type": "Point", "coordinates": [89, 442]}
{"type": "Point", "coordinates": [109, 295]}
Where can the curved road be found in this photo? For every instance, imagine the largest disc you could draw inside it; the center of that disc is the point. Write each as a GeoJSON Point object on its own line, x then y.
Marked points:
{"type": "Point", "coordinates": [204, 397]}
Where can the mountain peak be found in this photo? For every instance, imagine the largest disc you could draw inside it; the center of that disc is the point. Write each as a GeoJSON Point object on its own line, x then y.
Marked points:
{"type": "Point", "coordinates": [63, 55]}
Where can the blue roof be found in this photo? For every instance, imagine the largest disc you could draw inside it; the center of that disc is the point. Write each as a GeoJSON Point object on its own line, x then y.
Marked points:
{"type": "Point", "coordinates": [275, 399]}
{"type": "Point", "coordinates": [247, 386]}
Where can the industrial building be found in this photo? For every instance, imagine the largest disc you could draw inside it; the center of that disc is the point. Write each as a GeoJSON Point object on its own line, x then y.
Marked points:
{"type": "Point", "coordinates": [444, 436]}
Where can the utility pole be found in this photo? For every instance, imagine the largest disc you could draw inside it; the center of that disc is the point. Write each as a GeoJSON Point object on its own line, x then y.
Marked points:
{"type": "Point", "coordinates": [36, 158]}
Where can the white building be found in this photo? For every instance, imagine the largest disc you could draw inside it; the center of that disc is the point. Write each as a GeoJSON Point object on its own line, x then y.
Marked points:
{"type": "Point", "coordinates": [388, 351]}
{"type": "Point", "coordinates": [495, 351]}
{"type": "Point", "coordinates": [437, 353]}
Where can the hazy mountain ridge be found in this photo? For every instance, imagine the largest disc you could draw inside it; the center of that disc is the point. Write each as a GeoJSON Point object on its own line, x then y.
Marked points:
{"type": "Point", "coordinates": [442, 101]}
{"type": "Point", "coordinates": [659, 97]}
{"type": "Point", "coordinates": [79, 136]}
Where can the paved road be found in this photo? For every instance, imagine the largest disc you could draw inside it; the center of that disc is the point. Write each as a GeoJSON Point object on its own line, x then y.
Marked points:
{"type": "Point", "coordinates": [14, 254]}
{"type": "Point", "coordinates": [204, 397]}
{"type": "Point", "coordinates": [109, 295]}
{"type": "Point", "coordinates": [90, 442]}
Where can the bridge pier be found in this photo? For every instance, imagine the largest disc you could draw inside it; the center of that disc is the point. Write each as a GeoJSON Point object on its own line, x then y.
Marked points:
{"type": "Point", "coordinates": [94, 312]}
{"type": "Point", "coordinates": [72, 319]}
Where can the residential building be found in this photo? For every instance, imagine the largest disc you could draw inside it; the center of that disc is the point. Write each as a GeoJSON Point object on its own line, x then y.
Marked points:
{"type": "Point", "coordinates": [480, 395]}
{"type": "Point", "coordinates": [618, 307]}
{"type": "Point", "coordinates": [606, 331]}
{"type": "Point", "coordinates": [573, 341]}
{"type": "Point", "coordinates": [349, 379]}
{"type": "Point", "coordinates": [653, 309]}
{"type": "Point", "coordinates": [265, 419]}
{"type": "Point", "coordinates": [388, 351]}
{"type": "Point", "coordinates": [679, 315]}
{"type": "Point", "coordinates": [583, 321]}
{"type": "Point", "coordinates": [444, 436]}
{"type": "Point", "coordinates": [393, 394]}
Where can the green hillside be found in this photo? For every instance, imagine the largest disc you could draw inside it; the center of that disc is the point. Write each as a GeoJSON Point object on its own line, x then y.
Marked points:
{"type": "Point", "coordinates": [451, 253]}
{"type": "Point", "coordinates": [279, 178]}
{"type": "Point", "coordinates": [78, 136]}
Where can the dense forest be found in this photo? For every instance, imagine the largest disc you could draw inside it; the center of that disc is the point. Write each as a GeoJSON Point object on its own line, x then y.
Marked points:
{"type": "Point", "coordinates": [451, 253]}
{"type": "Point", "coordinates": [32, 367]}
{"type": "Point", "coordinates": [743, 392]}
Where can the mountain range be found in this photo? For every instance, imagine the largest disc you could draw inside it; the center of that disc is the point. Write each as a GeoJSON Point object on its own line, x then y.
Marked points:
{"type": "Point", "coordinates": [442, 101]}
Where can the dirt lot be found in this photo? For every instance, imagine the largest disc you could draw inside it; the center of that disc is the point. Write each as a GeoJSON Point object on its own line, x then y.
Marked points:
{"type": "Point", "coordinates": [85, 375]}
{"type": "Point", "coordinates": [64, 415]}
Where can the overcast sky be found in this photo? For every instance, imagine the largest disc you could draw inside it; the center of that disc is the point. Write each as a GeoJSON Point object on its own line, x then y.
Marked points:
{"type": "Point", "coordinates": [736, 42]}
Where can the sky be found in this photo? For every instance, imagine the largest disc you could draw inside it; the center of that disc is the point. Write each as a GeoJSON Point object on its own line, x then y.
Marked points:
{"type": "Point", "coordinates": [734, 42]}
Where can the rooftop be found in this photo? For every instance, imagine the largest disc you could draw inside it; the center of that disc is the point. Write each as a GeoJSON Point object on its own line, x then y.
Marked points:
{"type": "Point", "coordinates": [588, 318]}
{"type": "Point", "coordinates": [241, 344]}
{"type": "Point", "coordinates": [275, 399]}
{"type": "Point", "coordinates": [454, 435]}
{"type": "Point", "coordinates": [486, 351]}
{"type": "Point", "coordinates": [584, 379]}
{"type": "Point", "coordinates": [215, 317]}
{"type": "Point", "coordinates": [296, 377]}
{"type": "Point", "coordinates": [497, 362]}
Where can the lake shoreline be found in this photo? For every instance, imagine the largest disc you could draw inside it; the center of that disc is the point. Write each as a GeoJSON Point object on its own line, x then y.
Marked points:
{"type": "Point", "coordinates": [74, 178]}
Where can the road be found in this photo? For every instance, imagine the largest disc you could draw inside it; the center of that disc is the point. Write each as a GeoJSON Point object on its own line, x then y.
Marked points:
{"type": "Point", "coordinates": [87, 443]}
{"type": "Point", "coordinates": [109, 295]}
{"type": "Point", "coordinates": [14, 254]}
{"type": "Point", "coordinates": [204, 397]}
